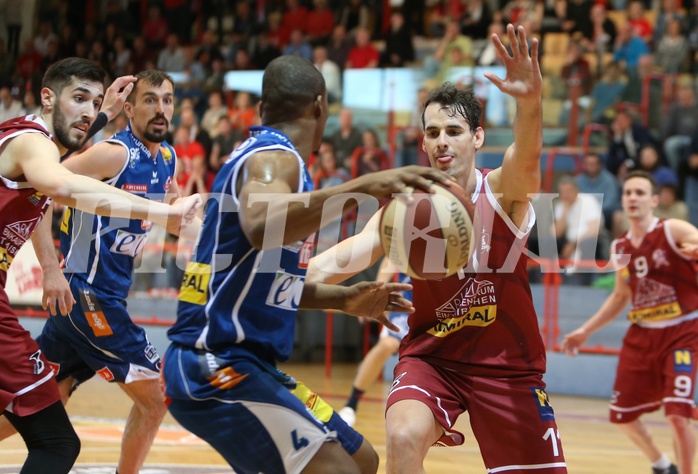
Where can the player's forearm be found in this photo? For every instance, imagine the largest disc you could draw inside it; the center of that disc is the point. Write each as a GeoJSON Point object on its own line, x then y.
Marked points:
{"type": "Point", "coordinates": [322, 296]}
{"type": "Point", "coordinates": [610, 309]}
{"type": "Point", "coordinates": [42, 241]}
{"type": "Point", "coordinates": [528, 131]}
{"type": "Point", "coordinates": [93, 196]}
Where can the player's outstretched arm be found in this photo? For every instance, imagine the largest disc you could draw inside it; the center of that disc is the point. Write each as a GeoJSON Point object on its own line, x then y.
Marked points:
{"type": "Point", "coordinates": [610, 309]}
{"type": "Point", "coordinates": [36, 157]}
{"type": "Point", "coordinates": [685, 235]}
{"type": "Point", "coordinates": [348, 257]}
{"type": "Point", "coordinates": [519, 176]}
{"type": "Point", "coordinates": [270, 206]}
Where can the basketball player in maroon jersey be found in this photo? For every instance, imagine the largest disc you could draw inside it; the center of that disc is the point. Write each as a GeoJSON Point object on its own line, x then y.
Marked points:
{"type": "Point", "coordinates": [473, 342]}
{"type": "Point", "coordinates": [30, 176]}
{"type": "Point", "coordinates": [657, 363]}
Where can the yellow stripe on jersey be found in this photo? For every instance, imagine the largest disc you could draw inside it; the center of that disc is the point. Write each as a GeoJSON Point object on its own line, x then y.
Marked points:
{"type": "Point", "coordinates": [656, 313]}
{"type": "Point", "coordinates": [194, 288]}
{"type": "Point", "coordinates": [479, 316]}
{"type": "Point", "coordinates": [66, 219]}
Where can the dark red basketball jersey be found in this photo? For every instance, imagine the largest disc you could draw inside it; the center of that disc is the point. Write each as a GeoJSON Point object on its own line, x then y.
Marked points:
{"type": "Point", "coordinates": [482, 319]}
{"type": "Point", "coordinates": [26, 378]}
{"type": "Point", "coordinates": [663, 281]}
{"type": "Point", "coordinates": [21, 206]}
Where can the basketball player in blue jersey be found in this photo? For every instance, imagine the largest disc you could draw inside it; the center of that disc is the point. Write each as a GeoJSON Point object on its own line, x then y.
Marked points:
{"type": "Point", "coordinates": [240, 294]}
{"type": "Point", "coordinates": [97, 335]}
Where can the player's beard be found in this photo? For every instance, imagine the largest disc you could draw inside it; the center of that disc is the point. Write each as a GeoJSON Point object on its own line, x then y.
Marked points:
{"type": "Point", "coordinates": [153, 136]}
{"type": "Point", "coordinates": [62, 131]}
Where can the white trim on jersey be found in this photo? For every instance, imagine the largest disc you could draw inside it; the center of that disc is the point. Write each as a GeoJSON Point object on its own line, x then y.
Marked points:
{"type": "Point", "coordinates": [672, 243]}
{"type": "Point", "coordinates": [527, 467]}
{"type": "Point", "coordinates": [112, 181]}
{"type": "Point", "coordinates": [528, 223]}
{"type": "Point", "coordinates": [31, 387]}
{"type": "Point", "coordinates": [98, 246]}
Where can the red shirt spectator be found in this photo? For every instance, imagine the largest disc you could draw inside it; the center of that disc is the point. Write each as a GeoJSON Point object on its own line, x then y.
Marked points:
{"type": "Point", "coordinates": [363, 54]}
{"type": "Point", "coordinates": [29, 62]}
{"type": "Point", "coordinates": [155, 28]}
{"type": "Point", "coordinates": [320, 22]}
{"type": "Point", "coordinates": [295, 18]}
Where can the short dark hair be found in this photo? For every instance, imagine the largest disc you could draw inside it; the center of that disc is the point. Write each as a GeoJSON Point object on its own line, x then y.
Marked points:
{"type": "Point", "coordinates": [152, 77]}
{"type": "Point", "coordinates": [63, 72]}
{"type": "Point", "coordinates": [460, 101]}
{"type": "Point", "coordinates": [644, 175]}
{"type": "Point", "coordinates": [289, 86]}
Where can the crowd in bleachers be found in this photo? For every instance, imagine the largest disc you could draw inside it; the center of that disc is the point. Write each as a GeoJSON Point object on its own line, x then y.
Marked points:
{"type": "Point", "coordinates": [596, 58]}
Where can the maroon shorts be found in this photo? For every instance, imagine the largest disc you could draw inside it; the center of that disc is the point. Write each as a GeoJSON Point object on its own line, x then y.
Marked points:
{"type": "Point", "coordinates": [27, 382]}
{"type": "Point", "coordinates": [511, 417]}
{"type": "Point", "coordinates": [656, 367]}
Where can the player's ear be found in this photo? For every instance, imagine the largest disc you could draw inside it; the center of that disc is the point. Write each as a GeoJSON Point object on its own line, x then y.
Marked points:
{"type": "Point", "coordinates": [479, 137]}
{"type": "Point", "coordinates": [128, 109]}
{"type": "Point", "coordinates": [319, 106]}
{"type": "Point", "coordinates": [48, 99]}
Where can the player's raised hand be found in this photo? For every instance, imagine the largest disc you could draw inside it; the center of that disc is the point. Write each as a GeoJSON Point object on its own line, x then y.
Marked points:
{"type": "Point", "coordinates": [116, 94]}
{"type": "Point", "coordinates": [523, 79]}
{"type": "Point", "coordinates": [373, 299]}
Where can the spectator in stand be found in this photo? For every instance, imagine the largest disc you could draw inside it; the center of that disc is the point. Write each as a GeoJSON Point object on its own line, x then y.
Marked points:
{"type": "Point", "coordinates": [215, 81]}
{"type": "Point", "coordinates": [197, 73]}
{"type": "Point", "coordinates": [320, 23]}
{"type": "Point", "coordinates": [488, 55]}
{"type": "Point", "coordinates": [477, 19]}
{"type": "Point", "coordinates": [216, 109]}
{"type": "Point", "coordinates": [346, 139]}
{"type": "Point", "coordinates": [370, 156]}
{"type": "Point", "coordinates": [123, 18]}
{"type": "Point", "coordinates": [650, 161]}
{"type": "Point", "coordinates": [689, 164]}
{"type": "Point", "coordinates": [30, 104]}
{"type": "Point", "coordinates": [265, 50]}
{"type": "Point", "coordinates": [155, 29]}
{"type": "Point", "coordinates": [670, 206]}
{"type": "Point", "coordinates": [140, 55]}
{"type": "Point", "coordinates": [10, 106]}
{"type": "Point", "coordinates": [516, 10]}
{"type": "Point", "coordinates": [599, 35]}
{"type": "Point", "coordinates": [634, 90]}
{"type": "Point", "coordinates": [456, 59]}
{"type": "Point", "coordinates": [298, 46]}
{"type": "Point", "coordinates": [637, 19]}
{"type": "Point", "coordinates": [12, 16]}
{"type": "Point", "coordinates": [410, 147]}
{"type": "Point", "coordinates": [576, 73]}
{"type": "Point", "coordinates": [330, 72]}
{"type": "Point", "coordinates": [363, 54]}
{"type": "Point", "coordinates": [44, 36]}
{"type": "Point", "coordinates": [187, 119]}
{"type": "Point", "coordinates": [208, 50]}
{"type": "Point", "coordinates": [329, 172]}
{"type": "Point", "coordinates": [354, 16]}
{"type": "Point", "coordinates": [7, 63]}
{"type": "Point", "coordinates": [629, 48]}
{"type": "Point", "coordinates": [669, 9]}
{"type": "Point", "coordinates": [626, 140]}
{"type": "Point", "coordinates": [338, 46]}
{"type": "Point", "coordinates": [66, 41]}
{"type": "Point", "coordinates": [452, 39]}
{"type": "Point", "coordinates": [679, 124]}
{"type": "Point", "coordinates": [606, 94]}
{"type": "Point", "coordinates": [52, 55]}
{"type": "Point", "coordinates": [29, 62]}
{"type": "Point", "coordinates": [226, 140]}
{"type": "Point", "coordinates": [578, 221]}
{"type": "Point", "coordinates": [178, 16]}
{"type": "Point", "coordinates": [244, 28]}
{"type": "Point", "coordinates": [243, 113]}
{"type": "Point", "coordinates": [276, 33]}
{"type": "Point", "coordinates": [399, 47]}
{"type": "Point", "coordinates": [171, 58]}
{"type": "Point", "coordinates": [577, 16]}
{"type": "Point", "coordinates": [242, 62]}
{"type": "Point", "coordinates": [121, 57]}
{"type": "Point", "coordinates": [672, 53]}
{"type": "Point", "coordinates": [191, 163]}
{"type": "Point", "coordinates": [295, 17]}
{"type": "Point", "coordinates": [596, 180]}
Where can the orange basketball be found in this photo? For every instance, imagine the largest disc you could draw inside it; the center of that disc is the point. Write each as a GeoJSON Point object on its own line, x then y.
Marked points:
{"type": "Point", "coordinates": [431, 237]}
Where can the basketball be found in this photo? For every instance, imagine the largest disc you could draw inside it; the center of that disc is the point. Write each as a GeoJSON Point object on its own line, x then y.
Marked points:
{"type": "Point", "coordinates": [431, 237]}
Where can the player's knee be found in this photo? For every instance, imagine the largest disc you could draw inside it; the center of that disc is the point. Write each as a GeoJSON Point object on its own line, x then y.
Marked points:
{"type": "Point", "coordinates": [678, 422]}
{"type": "Point", "coordinates": [56, 450]}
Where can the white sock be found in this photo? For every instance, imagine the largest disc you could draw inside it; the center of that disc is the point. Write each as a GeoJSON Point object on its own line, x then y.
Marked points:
{"type": "Point", "coordinates": [662, 463]}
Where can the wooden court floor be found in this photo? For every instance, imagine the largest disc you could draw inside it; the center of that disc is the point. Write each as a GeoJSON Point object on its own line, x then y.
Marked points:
{"type": "Point", "coordinates": [98, 411]}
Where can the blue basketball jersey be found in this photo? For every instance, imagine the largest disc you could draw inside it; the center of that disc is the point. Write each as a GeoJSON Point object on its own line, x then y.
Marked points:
{"type": "Point", "coordinates": [101, 250]}
{"type": "Point", "coordinates": [232, 295]}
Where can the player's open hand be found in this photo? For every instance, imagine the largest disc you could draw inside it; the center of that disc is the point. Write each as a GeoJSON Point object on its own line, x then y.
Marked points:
{"type": "Point", "coordinates": [524, 80]}
{"type": "Point", "coordinates": [373, 299]}
{"type": "Point", "coordinates": [573, 341]}
{"type": "Point", "coordinates": [116, 94]}
{"type": "Point", "coordinates": [57, 294]}
{"type": "Point", "coordinates": [689, 249]}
